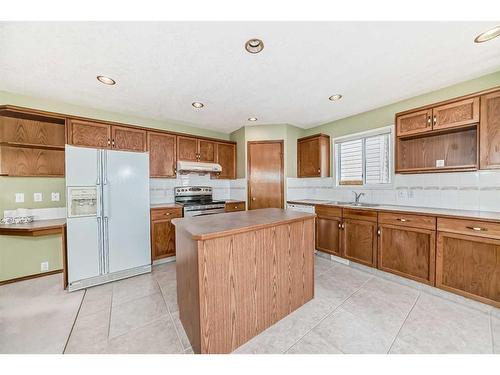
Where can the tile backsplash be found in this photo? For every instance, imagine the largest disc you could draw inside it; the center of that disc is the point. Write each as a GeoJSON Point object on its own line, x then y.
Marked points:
{"type": "Point", "coordinates": [162, 189]}
{"type": "Point", "coordinates": [467, 190]}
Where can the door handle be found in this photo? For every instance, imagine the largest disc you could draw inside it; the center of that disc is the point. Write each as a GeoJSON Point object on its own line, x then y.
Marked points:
{"type": "Point", "coordinates": [253, 198]}
{"type": "Point", "coordinates": [106, 245]}
{"type": "Point", "coordinates": [99, 239]}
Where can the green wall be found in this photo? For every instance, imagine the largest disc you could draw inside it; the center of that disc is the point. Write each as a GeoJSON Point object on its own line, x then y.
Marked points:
{"type": "Point", "coordinates": [21, 256]}
{"type": "Point", "coordinates": [384, 116]}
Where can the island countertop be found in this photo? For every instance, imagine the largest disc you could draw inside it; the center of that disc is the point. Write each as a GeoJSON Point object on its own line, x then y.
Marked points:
{"type": "Point", "coordinates": [213, 226]}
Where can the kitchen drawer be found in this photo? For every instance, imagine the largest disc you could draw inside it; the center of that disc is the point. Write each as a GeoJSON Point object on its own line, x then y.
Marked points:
{"type": "Point", "coordinates": [329, 211]}
{"type": "Point", "coordinates": [234, 206]}
{"type": "Point", "coordinates": [407, 220]}
{"type": "Point", "coordinates": [367, 215]}
{"type": "Point", "coordinates": [165, 213]}
{"type": "Point", "coordinates": [469, 227]}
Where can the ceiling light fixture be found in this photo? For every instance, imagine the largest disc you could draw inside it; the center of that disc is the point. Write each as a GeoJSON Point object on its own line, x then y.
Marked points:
{"type": "Point", "coordinates": [488, 35]}
{"type": "Point", "coordinates": [198, 105]}
{"type": "Point", "coordinates": [254, 45]}
{"type": "Point", "coordinates": [335, 97]}
{"type": "Point", "coordinates": [252, 119]}
{"type": "Point", "coordinates": [106, 80]}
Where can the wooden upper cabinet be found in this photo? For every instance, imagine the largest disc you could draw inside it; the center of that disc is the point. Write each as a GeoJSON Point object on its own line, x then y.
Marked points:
{"type": "Point", "coordinates": [226, 157]}
{"type": "Point", "coordinates": [128, 139]}
{"type": "Point", "coordinates": [414, 123]}
{"type": "Point", "coordinates": [89, 134]}
{"type": "Point", "coordinates": [458, 113]}
{"type": "Point", "coordinates": [206, 151]}
{"type": "Point", "coordinates": [490, 131]}
{"type": "Point", "coordinates": [162, 155]}
{"type": "Point", "coordinates": [313, 156]}
{"type": "Point", "coordinates": [31, 132]}
{"type": "Point", "coordinates": [187, 148]}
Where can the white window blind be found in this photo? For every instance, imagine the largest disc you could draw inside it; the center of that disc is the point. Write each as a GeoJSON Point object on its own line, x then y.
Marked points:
{"type": "Point", "coordinates": [351, 162]}
{"type": "Point", "coordinates": [364, 161]}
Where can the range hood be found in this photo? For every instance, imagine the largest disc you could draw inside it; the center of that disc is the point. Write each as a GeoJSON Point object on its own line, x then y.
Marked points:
{"type": "Point", "coordinates": [198, 167]}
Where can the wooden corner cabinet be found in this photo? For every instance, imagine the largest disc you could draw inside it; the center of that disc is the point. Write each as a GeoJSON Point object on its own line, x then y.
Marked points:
{"type": "Point", "coordinates": [468, 259]}
{"type": "Point", "coordinates": [460, 134]}
{"type": "Point", "coordinates": [31, 143]}
{"type": "Point", "coordinates": [162, 155]}
{"type": "Point", "coordinates": [163, 232]}
{"type": "Point", "coordinates": [313, 156]}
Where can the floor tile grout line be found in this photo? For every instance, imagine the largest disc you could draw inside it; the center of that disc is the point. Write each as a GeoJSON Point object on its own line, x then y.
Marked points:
{"type": "Point", "coordinates": [74, 322]}
{"type": "Point", "coordinates": [110, 310]}
{"type": "Point", "coordinates": [171, 317]}
{"type": "Point", "coordinates": [404, 322]}
{"type": "Point", "coordinates": [329, 314]}
{"type": "Point", "coordinates": [491, 333]}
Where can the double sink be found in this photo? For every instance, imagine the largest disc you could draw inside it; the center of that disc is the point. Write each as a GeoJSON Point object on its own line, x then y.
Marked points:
{"type": "Point", "coordinates": [353, 204]}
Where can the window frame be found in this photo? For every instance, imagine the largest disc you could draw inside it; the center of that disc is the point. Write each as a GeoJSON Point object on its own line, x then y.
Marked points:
{"type": "Point", "coordinates": [363, 135]}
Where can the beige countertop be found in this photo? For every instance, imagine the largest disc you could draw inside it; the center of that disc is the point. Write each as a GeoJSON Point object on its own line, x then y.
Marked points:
{"type": "Point", "coordinates": [165, 205]}
{"type": "Point", "coordinates": [468, 214]}
{"type": "Point", "coordinates": [35, 228]}
{"type": "Point", "coordinates": [213, 226]}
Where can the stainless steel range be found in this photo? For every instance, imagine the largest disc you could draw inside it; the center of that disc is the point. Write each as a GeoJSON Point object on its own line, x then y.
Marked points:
{"type": "Point", "coordinates": [197, 201]}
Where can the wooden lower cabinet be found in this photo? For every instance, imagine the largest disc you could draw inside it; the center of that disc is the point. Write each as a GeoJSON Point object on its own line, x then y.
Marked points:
{"type": "Point", "coordinates": [163, 232]}
{"type": "Point", "coordinates": [407, 252]}
{"type": "Point", "coordinates": [359, 241]}
{"type": "Point", "coordinates": [328, 227]}
{"type": "Point", "coordinates": [469, 265]}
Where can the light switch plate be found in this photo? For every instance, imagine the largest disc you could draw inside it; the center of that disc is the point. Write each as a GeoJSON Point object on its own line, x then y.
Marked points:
{"type": "Point", "coordinates": [19, 197]}
{"type": "Point", "coordinates": [55, 197]}
{"type": "Point", "coordinates": [37, 197]}
{"type": "Point", "coordinates": [44, 266]}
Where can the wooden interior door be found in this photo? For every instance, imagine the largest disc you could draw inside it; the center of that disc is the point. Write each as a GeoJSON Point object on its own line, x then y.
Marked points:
{"type": "Point", "coordinates": [187, 148]}
{"type": "Point", "coordinates": [162, 155]}
{"type": "Point", "coordinates": [265, 174]}
{"type": "Point", "coordinates": [359, 241]}
{"type": "Point", "coordinates": [490, 131]}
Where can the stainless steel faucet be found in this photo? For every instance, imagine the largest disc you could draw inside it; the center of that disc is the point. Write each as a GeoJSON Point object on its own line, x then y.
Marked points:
{"type": "Point", "coordinates": [357, 196]}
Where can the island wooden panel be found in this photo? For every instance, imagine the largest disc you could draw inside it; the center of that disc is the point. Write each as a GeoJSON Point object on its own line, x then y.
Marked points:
{"type": "Point", "coordinates": [233, 287]}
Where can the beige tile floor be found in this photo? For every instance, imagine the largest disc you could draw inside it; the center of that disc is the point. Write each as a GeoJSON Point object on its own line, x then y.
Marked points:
{"type": "Point", "coordinates": [355, 310]}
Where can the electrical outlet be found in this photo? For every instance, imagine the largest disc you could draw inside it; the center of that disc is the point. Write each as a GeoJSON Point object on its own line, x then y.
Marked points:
{"type": "Point", "coordinates": [55, 197]}
{"type": "Point", "coordinates": [439, 163]}
{"type": "Point", "coordinates": [44, 266]}
{"type": "Point", "coordinates": [37, 197]}
{"type": "Point", "coordinates": [402, 194]}
{"type": "Point", "coordinates": [19, 197]}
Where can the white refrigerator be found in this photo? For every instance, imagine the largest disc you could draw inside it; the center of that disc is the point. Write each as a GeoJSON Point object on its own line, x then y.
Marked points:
{"type": "Point", "coordinates": [108, 234]}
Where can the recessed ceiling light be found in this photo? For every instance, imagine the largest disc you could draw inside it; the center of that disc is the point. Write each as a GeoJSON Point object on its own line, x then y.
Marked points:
{"type": "Point", "coordinates": [198, 105]}
{"type": "Point", "coordinates": [252, 119]}
{"type": "Point", "coordinates": [106, 80]}
{"type": "Point", "coordinates": [488, 35]}
{"type": "Point", "coordinates": [254, 45]}
{"type": "Point", "coordinates": [335, 97]}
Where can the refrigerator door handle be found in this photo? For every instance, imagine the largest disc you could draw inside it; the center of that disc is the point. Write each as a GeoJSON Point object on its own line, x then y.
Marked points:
{"type": "Point", "coordinates": [100, 247]}
{"type": "Point", "coordinates": [105, 167]}
{"type": "Point", "coordinates": [98, 182]}
{"type": "Point", "coordinates": [106, 245]}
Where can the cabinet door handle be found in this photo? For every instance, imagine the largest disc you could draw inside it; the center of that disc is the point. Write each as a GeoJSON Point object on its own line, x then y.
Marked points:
{"type": "Point", "coordinates": [478, 229]}
{"type": "Point", "coordinates": [434, 119]}
{"type": "Point", "coordinates": [113, 142]}
{"type": "Point", "coordinates": [379, 232]}
{"type": "Point", "coordinates": [340, 226]}
{"type": "Point", "coordinates": [319, 170]}
{"type": "Point", "coordinates": [343, 226]}
{"type": "Point", "coordinates": [166, 213]}
{"type": "Point", "coordinates": [403, 220]}
{"type": "Point", "coordinates": [429, 121]}
{"type": "Point", "coordinates": [109, 142]}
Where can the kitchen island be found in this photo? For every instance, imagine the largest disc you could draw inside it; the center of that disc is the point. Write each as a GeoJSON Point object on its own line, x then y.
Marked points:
{"type": "Point", "coordinates": [239, 273]}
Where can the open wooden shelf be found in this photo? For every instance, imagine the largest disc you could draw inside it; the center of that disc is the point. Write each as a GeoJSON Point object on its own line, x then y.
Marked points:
{"type": "Point", "coordinates": [33, 145]}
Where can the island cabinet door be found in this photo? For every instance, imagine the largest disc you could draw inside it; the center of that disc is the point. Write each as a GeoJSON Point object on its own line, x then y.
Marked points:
{"type": "Point", "coordinates": [328, 234]}
{"type": "Point", "coordinates": [469, 265]}
{"type": "Point", "coordinates": [407, 252]}
{"type": "Point", "coordinates": [359, 241]}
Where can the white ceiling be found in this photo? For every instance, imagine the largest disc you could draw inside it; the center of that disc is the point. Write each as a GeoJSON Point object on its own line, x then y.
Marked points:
{"type": "Point", "coordinates": [161, 68]}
